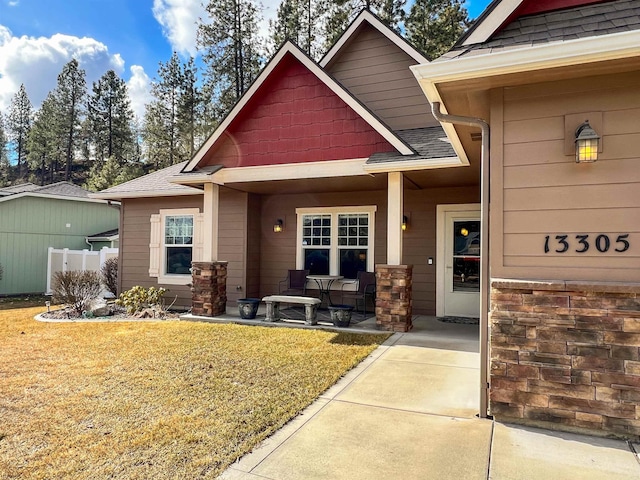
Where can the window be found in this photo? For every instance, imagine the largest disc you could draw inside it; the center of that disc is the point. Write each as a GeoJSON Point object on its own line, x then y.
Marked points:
{"type": "Point", "coordinates": [336, 240]}
{"type": "Point", "coordinates": [178, 244]}
{"type": "Point", "coordinates": [175, 243]}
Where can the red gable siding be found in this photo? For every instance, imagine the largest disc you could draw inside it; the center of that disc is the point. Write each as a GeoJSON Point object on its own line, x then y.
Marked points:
{"type": "Point", "coordinates": [294, 118]}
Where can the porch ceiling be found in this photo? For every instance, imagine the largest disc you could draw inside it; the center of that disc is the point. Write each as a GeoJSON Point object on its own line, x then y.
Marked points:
{"type": "Point", "coordinates": [414, 180]}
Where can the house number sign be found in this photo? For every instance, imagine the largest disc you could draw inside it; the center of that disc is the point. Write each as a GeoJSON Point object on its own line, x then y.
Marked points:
{"type": "Point", "coordinates": [603, 243]}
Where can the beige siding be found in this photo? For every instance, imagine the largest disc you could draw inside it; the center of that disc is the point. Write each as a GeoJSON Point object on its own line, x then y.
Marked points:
{"type": "Point", "coordinates": [134, 243]}
{"type": "Point", "coordinates": [278, 251]}
{"type": "Point", "coordinates": [545, 193]}
{"type": "Point", "coordinates": [376, 71]}
{"type": "Point", "coordinates": [232, 239]}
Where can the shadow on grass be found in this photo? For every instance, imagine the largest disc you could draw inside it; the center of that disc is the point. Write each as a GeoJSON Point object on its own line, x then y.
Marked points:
{"type": "Point", "coordinates": [23, 301]}
{"type": "Point", "coordinates": [346, 338]}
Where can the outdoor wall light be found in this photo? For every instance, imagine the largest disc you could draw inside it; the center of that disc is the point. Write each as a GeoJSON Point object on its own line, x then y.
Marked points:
{"type": "Point", "coordinates": [405, 222]}
{"type": "Point", "coordinates": [587, 141]}
{"type": "Point", "coordinates": [278, 226]}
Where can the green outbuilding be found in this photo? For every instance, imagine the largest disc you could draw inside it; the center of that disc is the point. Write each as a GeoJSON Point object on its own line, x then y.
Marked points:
{"type": "Point", "coordinates": [34, 218]}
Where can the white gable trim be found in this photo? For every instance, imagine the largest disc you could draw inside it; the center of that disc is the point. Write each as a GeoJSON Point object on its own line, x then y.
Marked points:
{"type": "Point", "coordinates": [412, 165]}
{"type": "Point", "coordinates": [371, 19]}
{"type": "Point", "coordinates": [50, 197]}
{"type": "Point", "coordinates": [290, 48]}
{"type": "Point", "coordinates": [488, 25]}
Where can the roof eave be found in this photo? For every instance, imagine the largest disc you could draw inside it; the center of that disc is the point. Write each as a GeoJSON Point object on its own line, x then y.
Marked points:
{"type": "Point", "coordinates": [412, 165]}
{"type": "Point", "coordinates": [602, 48]}
{"type": "Point", "coordinates": [144, 194]}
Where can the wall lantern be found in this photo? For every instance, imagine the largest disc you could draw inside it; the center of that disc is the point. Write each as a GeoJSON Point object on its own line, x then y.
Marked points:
{"type": "Point", "coordinates": [587, 141]}
{"type": "Point", "coordinates": [405, 222]}
{"type": "Point", "coordinates": [278, 226]}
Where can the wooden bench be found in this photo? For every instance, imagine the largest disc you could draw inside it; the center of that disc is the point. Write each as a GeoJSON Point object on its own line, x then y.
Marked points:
{"type": "Point", "coordinates": [273, 307]}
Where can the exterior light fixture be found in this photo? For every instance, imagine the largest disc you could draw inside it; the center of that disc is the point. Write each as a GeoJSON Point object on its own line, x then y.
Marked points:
{"type": "Point", "coordinates": [464, 232]}
{"type": "Point", "coordinates": [405, 222]}
{"type": "Point", "coordinates": [587, 144]}
{"type": "Point", "coordinates": [278, 226]}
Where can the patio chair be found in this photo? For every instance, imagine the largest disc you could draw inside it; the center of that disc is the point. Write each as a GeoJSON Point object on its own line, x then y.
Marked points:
{"type": "Point", "coordinates": [295, 283]}
{"type": "Point", "coordinates": [366, 288]}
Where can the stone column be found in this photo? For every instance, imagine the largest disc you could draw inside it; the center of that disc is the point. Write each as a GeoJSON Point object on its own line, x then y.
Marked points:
{"type": "Point", "coordinates": [394, 303]}
{"type": "Point", "coordinates": [209, 290]}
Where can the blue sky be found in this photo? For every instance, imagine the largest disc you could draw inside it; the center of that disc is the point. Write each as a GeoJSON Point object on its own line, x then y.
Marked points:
{"type": "Point", "coordinates": [37, 37]}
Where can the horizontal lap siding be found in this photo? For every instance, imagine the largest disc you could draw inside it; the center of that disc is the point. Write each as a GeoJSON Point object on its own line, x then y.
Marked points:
{"type": "Point", "coordinates": [278, 251]}
{"type": "Point", "coordinates": [376, 71]}
{"type": "Point", "coordinates": [134, 243]}
{"type": "Point", "coordinates": [546, 193]}
{"type": "Point", "coordinates": [232, 241]}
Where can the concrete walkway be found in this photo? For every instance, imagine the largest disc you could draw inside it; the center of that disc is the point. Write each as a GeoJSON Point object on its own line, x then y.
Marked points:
{"type": "Point", "coordinates": [409, 412]}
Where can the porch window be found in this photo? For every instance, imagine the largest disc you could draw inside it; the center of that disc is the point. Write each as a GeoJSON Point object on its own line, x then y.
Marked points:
{"type": "Point", "coordinates": [176, 241]}
{"type": "Point", "coordinates": [336, 240]}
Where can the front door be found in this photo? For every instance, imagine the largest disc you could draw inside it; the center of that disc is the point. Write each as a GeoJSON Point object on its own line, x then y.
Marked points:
{"type": "Point", "coordinates": [459, 261]}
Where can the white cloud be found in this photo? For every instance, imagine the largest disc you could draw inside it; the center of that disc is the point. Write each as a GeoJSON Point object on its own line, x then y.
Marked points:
{"type": "Point", "coordinates": [139, 90]}
{"type": "Point", "coordinates": [178, 19]}
{"type": "Point", "coordinates": [36, 62]}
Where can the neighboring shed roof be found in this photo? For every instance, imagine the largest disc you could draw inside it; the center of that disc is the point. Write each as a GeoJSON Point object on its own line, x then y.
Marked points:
{"type": "Point", "coordinates": [558, 26]}
{"type": "Point", "coordinates": [104, 236]}
{"type": "Point", "coordinates": [19, 188]}
{"type": "Point", "coordinates": [152, 185]}
{"type": "Point", "coordinates": [63, 189]}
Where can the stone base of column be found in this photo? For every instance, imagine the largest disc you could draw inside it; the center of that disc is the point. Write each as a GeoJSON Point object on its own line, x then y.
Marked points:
{"type": "Point", "coordinates": [394, 305]}
{"type": "Point", "coordinates": [209, 288]}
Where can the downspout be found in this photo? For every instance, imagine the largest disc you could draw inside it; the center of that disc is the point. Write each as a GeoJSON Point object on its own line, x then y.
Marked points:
{"type": "Point", "coordinates": [484, 245]}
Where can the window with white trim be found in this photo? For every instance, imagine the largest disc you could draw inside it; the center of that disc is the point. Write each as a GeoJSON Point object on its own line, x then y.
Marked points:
{"type": "Point", "coordinates": [336, 240]}
{"type": "Point", "coordinates": [175, 243]}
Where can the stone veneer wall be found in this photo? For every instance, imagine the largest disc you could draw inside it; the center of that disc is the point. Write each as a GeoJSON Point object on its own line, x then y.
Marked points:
{"type": "Point", "coordinates": [209, 288]}
{"type": "Point", "coordinates": [566, 355]}
{"type": "Point", "coordinates": [394, 297]}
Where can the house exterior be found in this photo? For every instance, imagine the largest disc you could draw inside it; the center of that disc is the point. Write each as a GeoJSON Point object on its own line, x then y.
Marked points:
{"type": "Point", "coordinates": [34, 218]}
{"type": "Point", "coordinates": [564, 236]}
{"type": "Point", "coordinates": [339, 152]}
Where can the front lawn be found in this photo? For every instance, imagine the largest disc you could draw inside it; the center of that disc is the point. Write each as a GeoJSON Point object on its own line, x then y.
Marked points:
{"type": "Point", "coordinates": [153, 399]}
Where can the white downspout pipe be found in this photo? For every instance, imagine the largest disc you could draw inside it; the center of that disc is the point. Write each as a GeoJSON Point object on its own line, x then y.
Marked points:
{"type": "Point", "coordinates": [484, 245]}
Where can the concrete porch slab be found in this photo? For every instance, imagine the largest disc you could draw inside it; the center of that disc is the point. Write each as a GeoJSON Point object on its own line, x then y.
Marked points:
{"type": "Point", "coordinates": [424, 387]}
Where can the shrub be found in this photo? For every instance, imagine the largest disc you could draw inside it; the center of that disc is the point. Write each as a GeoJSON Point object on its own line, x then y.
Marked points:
{"type": "Point", "coordinates": [77, 288]}
{"type": "Point", "coordinates": [109, 275]}
{"type": "Point", "coordinates": [138, 298]}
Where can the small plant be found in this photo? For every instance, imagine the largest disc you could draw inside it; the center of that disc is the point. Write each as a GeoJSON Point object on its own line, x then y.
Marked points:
{"type": "Point", "coordinates": [77, 288]}
{"type": "Point", "coordinates": [109, 275]}
{"type": "Point", "coordinates": [138, 298]}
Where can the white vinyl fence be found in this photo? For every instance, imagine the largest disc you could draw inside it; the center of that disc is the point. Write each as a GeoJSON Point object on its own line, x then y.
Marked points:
{"type": "Point", "coordinates": [64, 260]}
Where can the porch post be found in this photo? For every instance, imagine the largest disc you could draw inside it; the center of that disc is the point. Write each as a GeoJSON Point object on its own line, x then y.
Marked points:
{"type": "Point", "coordinates": [394, 282]}
{"type": "Point", "coordinates": [209, 275]}
{"type": "Point", "coordinates": [210, 209]}
{"type": "Point", "coordinates": [395, 206]}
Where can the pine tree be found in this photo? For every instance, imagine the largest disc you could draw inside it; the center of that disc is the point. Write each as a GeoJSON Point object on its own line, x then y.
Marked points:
{"type": "Point", "coordinates": [111, 172]}
{"type": "Point", "coordinates": [5, 168]}
{"type": "Point", "coordinates": [70, 95]}
{"type": "Point", "coordinates": [190, 109]}
{"type": "Point", "coordinates": [161, 115]}
{"type": "Point", "coordinates": [433, 26]}
{"type": "Point", "coordinates": [297, 20]}
{"type": "Point", "coordinates": [45, 143]}
{"type": "Point", "coordinates": [232, 52]}
{"type": "Point", "coordinates": [19, 124]}
{"type": "Point", "coordinates": [340, 14]}
{"type": "Point", "coordinates": [110, 120]}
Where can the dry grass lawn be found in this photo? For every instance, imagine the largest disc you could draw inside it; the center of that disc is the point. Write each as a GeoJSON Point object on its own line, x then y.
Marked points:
{"type": "Point", "coordinates": [153, 399]}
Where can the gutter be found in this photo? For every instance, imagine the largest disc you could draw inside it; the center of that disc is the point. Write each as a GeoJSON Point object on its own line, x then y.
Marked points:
{"type": "Point", "coordinates": [484, 245]}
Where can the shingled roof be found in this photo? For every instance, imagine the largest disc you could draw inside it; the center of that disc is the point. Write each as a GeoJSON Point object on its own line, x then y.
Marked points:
{"type": "Point", "coordinates": [60, 189]}
{"type": "Point", "coordinates": [429, 143]}
{"type": "Point", "coordinates": [151, 185]}
{"type": "Point", "coordinates": [558, 26]}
